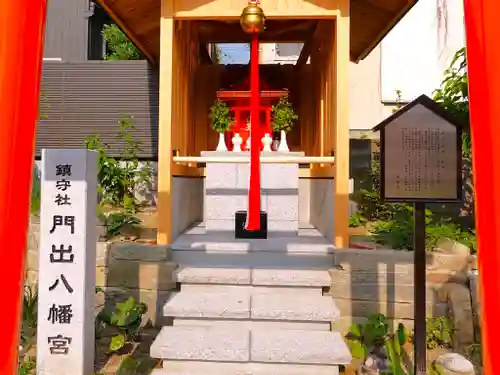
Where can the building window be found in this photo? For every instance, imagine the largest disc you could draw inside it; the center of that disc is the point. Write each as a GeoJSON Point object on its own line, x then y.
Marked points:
{"type": "Point", "coordinates": [97, 44]}
{"type": "Point", "coordinates": [288, 49]}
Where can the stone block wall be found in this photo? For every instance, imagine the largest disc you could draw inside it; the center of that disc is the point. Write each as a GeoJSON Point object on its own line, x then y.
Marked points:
{"type": "Point", "coordinates": [365, 282]}
{"type": "Point", "coordinates": [123, 269]}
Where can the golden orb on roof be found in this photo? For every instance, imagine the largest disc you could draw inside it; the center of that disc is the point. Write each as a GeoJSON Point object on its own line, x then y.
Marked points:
{"type": "Point", "coordinates": [252, 18]}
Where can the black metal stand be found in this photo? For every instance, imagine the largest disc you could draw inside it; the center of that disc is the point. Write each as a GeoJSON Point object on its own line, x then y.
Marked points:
{"type": "Point", "coordinates": [420, 337]}
{"type": "Point", "coordinates": [240, 218]}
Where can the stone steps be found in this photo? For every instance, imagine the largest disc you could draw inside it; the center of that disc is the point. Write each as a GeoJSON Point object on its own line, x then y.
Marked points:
{"type": "Point", "coordinates": [209, 368]}
{"type": "Point", "coordinates": [251, 308]}
{"type": "Point", "coordinates": [224, 344]}
{"type": "Point", "coordinates": [243, 305]}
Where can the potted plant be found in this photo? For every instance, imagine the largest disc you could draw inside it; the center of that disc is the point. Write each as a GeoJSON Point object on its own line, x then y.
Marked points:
{"type": "Point", "coordinates": [283, 119]}
{"type": "Point", "coordinates": [220, 116]}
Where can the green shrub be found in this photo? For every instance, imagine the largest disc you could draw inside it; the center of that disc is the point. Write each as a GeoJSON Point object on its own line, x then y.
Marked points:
{"type": "Point", "coordinates": [26, 366]}
{"type": "Point", "coordinates": [126, 318]}
{"type": "Point", "coordinates": [392, 223]}
{"type": "Point", "coordinates": [375, 336]}
{"type": "Point", "coordinates": [119, 46]}
{"type": "Point", "coordinates": [35, 194]}
{"type": "Point", "coordinates": [440, 330]}
{"type": "Point", "coordinates": [119, 177]}
{"type": "Point", "coordinates": [29, 317]}
{"type": "Point", "coordinates": [115, 221]}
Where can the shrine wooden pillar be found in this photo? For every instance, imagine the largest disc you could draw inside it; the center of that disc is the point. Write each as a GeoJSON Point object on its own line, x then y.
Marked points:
{"type": "Point", "coordinates": [165, 151]}
{"type": "Point", "coordinates": [340, 101]}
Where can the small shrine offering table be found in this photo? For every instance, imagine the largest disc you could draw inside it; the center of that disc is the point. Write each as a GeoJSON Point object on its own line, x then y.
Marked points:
{"type": "Point", "coordinates": [226, 190]}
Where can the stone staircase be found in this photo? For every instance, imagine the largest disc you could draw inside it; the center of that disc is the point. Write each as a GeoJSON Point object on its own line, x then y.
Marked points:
{"type": "Point", "coordinates": [250, 312]}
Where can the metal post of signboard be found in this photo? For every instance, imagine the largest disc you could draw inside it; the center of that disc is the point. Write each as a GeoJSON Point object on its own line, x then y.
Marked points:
{"type": "Point", "coordinates": [420, 162]}
{"type": "Point", "coordinates": [419, 263]}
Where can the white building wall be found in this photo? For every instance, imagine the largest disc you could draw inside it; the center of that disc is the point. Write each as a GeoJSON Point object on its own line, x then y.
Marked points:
{"type": "Point", "coordinates": [417, 51]}
{"type": "Point", "coordinates": [412, 59]}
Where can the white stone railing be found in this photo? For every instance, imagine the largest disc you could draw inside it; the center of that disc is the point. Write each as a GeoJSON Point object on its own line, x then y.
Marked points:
{"type": "Point", "coordinates": [263, 159]}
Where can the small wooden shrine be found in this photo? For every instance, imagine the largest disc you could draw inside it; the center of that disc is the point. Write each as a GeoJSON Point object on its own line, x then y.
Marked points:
{"type": "Point", "coordinates": [237, 97]}
{"type": "Point", "coordinates": [174, 36]}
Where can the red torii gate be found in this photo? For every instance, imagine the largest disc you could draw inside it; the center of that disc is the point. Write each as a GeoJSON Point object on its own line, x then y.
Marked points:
{"type": "Point", "coordinates": [22, 25]}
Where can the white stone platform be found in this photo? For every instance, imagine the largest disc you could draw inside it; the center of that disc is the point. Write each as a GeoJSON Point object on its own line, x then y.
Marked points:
{"type": "Point", "coordinates": [251, 307]}
{"type": "Point", "coordinates": [199, 247]}
{"type": "Point", "coordinates": [226, 191]}
{"type": "Point", "coordinates": [200, 238]}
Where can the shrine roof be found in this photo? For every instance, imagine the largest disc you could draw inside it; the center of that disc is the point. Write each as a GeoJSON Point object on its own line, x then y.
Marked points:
{"type": "Point", "coordinates": [428, 103]}
{"type": "Point", "coordinates": [371, 21]}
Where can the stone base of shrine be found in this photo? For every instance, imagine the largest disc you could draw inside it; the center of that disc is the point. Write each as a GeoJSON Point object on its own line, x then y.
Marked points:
{"type": "Point", "coordinates": [226, 191]}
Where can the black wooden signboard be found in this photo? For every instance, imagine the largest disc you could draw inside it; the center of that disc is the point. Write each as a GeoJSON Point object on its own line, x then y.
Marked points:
{"type": "Point", "coordinates": [420, 162]}
{"type": "Point", "coordinates": [420, 150]}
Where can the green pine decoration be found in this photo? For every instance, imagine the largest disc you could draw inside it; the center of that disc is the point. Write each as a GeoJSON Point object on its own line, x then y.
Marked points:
{"type": "Point", "coordinates": [283, 115]}
{"type": "Point", "coordinates": [220, 116]}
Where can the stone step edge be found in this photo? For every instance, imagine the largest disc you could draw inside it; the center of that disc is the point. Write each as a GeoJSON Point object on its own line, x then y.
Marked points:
{"type": "Point", "coordinates": [298, 291]}
{"type": "Point", "coordinates": [248, 276]}
{"type": "Point", "coordinates": [272, 245]}
{"type": "Point", "coordinates": [259, 260]}
{"type": "Point", "coordinates": [253, 324]}
{"type": "Point", "coordinates": [209, 344]}
{"type": "Point", "coordinates": [266, 307]}
{"type": "Point", "coordinates": [191, 304]}
{"type": "Point", "coordinates": [247, 368]}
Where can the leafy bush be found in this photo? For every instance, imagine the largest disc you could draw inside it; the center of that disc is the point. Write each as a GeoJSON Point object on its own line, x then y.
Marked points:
{"type": "Point", "coordinates": [119, 46]}
{"type": "Point", "coordinates": [453, 94]}
{"type": "Point", "coordinates": [120, 177]}
{"type": "Point", "coordinates": [126, 318]}
{"type": "Point", "coordinates": [374, 336]}
{"type": "Point", "coordinates": [392, 223]}
{"type": "Point", "coordinates": [35, 194]}
{"type": "Point", "coordinates": [29, 317]}
{"type": "Point", "coordinates": [136, 365]}
{"type": "Point", "coordinates": [115, 221]}
{"type": "Point", "coordinates": [440, 332]}
{"type": "Point", "coordinates": [397, 233]}
{"type": "Point", "coordinates": [357, 220]}
{"type": "Point", "coordinates": [370, 205]}
{"type": "Point", "coordinates": [26, 367]}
